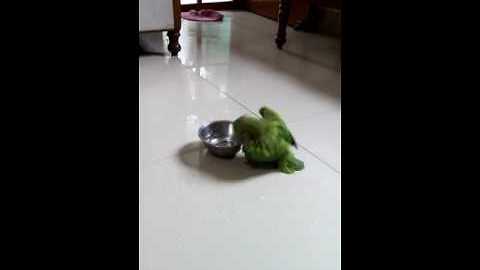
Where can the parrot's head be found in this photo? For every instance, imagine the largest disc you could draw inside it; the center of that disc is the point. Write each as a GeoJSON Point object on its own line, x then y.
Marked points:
{"type": "Point", "coordinates": [266, 112]}
{"type": "Point", "coordinates": [240, 129]}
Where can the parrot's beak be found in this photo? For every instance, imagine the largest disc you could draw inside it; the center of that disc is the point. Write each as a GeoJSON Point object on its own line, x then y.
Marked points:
{"type": "Point", "coordinates": [262, 111]}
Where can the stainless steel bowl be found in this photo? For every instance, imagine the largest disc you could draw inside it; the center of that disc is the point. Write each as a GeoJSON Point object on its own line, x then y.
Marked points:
{"type": "Point", "coordinates": [219, 138]}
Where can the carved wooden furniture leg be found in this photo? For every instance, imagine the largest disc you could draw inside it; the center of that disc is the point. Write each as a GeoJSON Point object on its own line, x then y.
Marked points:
{"type": "Point", "coordinates": [283, 13]}
{"type": "Point", "coordinates": [173, 35]}
{"type": "Point", "coordinates": [173, 45]}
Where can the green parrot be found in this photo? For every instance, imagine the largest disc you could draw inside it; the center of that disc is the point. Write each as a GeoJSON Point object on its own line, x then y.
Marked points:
{"type": "Point", "coordinates": [267, 141]}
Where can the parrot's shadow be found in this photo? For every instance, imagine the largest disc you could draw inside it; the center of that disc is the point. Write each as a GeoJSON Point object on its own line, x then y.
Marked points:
{"type": "Point", "coordinates": [197, 157]}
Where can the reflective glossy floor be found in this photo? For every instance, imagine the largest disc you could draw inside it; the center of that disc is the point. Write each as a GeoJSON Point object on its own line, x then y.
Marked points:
{"type": "Point", "coordinates": [200, 212]}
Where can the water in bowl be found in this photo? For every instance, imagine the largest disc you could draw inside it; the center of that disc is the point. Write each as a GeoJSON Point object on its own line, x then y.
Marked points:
{"type": "Point", "coordinates": [222, 141]}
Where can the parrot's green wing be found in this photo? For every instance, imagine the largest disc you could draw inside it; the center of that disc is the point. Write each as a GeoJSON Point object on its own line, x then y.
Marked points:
{"type": "Point", "coordinates": [287, 135]}
{"type": "Point", "coordinates": [284, 132]}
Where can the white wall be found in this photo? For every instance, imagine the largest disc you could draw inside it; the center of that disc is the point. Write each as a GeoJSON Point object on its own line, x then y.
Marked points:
{"type": "Point", "coordinates": [156, 15]}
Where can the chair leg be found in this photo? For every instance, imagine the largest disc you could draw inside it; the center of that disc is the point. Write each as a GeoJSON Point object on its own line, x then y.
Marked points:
{"type": "Point", "coordinates": [173, 45]}
{"type": "Point", "coordinates": [283, 13]}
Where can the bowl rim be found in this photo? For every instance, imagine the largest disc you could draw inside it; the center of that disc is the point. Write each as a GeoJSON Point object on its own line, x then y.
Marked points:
{"type": "Point", "coordinates": [203, 139]}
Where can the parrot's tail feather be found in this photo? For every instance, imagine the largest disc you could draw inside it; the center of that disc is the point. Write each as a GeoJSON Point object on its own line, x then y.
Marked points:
{"type": "Point", "coordinates": [297, 164]}
{"type": "Point", "coordinates": [291, 164]}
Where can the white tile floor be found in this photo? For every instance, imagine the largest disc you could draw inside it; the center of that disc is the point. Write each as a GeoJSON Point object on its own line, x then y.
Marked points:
{"type": "Point", "coordinates": [199, 212]}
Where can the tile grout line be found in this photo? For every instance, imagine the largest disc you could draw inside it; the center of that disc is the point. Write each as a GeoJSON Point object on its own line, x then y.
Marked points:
{"type": "Point", "coordinates": [220, 90]}
{"type": "Point", "coordinates": [253, 112]}
{"type": "Point", "coordinates": [321, 160]}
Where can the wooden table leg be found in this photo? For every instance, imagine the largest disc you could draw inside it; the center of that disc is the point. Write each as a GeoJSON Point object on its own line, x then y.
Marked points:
{"type": "Point", "coordinates": [283, 13]}
{"type": "Point", "coordinates": [173, 45]}
{"type": "Point", "coordinates": [173, 35]}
